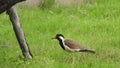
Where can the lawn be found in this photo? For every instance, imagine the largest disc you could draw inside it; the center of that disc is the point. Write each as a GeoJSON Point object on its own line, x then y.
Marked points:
{"type": "Point", "coordinates": [96, 25]}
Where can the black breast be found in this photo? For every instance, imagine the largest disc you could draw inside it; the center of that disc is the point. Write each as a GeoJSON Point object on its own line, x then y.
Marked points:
{"type": "Point", "coordinates": [61, 44]}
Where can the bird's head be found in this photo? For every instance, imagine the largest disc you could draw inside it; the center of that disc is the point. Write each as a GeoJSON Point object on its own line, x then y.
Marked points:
{"type": "Point", "coordinates": [59, 37]}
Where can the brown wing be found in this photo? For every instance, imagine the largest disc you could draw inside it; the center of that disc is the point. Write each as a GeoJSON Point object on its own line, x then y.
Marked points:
{"type": "Point", "coordinates": [74, 45]}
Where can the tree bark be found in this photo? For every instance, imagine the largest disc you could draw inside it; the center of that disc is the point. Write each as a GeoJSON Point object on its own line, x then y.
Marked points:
{"type": "Point", "coordinates": [7, 4]}
{"type": "Point", "coordinates": [14, 18]}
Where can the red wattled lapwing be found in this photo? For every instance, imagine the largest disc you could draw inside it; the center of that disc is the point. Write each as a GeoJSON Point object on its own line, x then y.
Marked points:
{"type": "Point", "coordinates": [70, 45]}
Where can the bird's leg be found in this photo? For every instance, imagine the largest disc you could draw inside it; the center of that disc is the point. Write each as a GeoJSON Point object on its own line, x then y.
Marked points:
{"type": "Point", "coordinates": [73, 60]}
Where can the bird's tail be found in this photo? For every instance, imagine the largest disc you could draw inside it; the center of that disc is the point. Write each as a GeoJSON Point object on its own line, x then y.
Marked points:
{"type": "Point", "coordinates": [91, 51]}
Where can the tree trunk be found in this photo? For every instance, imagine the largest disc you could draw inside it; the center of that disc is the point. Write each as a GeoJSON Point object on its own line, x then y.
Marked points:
{"type": "Point", "coordinates": [7, 4]}
{"type": "Point", "coordinates": [14, 18]}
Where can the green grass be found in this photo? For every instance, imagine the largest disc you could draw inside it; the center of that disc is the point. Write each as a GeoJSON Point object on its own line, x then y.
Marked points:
{"type": "Point", "coordinates": [97, 26]}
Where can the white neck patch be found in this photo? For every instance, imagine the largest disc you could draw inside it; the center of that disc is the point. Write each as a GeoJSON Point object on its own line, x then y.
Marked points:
{"type": "Point", "coordinates": [61, 38]}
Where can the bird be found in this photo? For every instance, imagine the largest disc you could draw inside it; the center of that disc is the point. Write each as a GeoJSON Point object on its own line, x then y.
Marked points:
{"type": "Point", "coordinates": [71, 45]}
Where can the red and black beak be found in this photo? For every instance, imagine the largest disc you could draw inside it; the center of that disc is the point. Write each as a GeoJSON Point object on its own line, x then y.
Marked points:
{"type": "Point", "coordinates": [54, 37]}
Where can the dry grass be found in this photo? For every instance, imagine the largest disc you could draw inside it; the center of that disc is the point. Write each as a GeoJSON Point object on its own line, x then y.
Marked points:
{"type": "Point", "coordinates": [68, 2]}
{"type": "Point", "coordinates": [35, 3]}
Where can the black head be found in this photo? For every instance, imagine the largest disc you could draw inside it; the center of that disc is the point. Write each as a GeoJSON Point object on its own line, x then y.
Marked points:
{"type": "Point", "coordinates": [58, 36]}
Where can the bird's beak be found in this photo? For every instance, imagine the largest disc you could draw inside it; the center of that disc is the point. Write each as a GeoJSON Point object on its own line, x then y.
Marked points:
{"type": "Point", "coordinates": [54, 37]}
